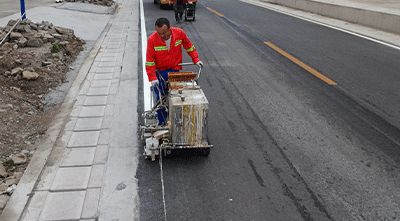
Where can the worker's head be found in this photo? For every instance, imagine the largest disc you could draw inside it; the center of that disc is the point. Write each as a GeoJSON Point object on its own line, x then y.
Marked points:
{"type": "Point", "coordinates": [163, 28]}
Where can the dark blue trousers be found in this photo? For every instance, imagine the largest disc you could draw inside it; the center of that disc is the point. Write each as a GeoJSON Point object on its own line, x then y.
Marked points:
{"type": "Point", "coordinates": [162, 113]}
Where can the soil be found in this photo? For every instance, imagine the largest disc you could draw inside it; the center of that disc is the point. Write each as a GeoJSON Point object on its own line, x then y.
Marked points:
{"type": "Point", "coordinates": [24, 117]}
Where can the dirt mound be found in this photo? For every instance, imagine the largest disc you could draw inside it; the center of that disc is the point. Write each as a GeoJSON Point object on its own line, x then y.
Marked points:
{"type": "Point", "coordinates": [34, 60]}
{"type": "Point", "coordinates": [95, 2]}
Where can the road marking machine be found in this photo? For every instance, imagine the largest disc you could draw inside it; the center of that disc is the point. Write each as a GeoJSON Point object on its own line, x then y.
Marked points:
{"type": "Point", "coordinates": [187, 116]}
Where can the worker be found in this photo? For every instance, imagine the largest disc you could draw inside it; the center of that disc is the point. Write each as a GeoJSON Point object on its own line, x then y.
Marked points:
{"type": "Point", "coordinates": [178, 8]}
{"type": "Point", "coordinates": [164, 54]}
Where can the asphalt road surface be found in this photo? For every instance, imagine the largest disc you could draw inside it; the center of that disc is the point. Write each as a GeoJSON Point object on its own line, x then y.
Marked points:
{"type": "Point", "coordinates": [287, 144]}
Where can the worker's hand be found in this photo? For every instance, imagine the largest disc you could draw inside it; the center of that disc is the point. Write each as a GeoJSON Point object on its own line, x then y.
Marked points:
{"type": "Point", "coordinates": [154, 83]}
{"type": "Point", "coordinates": [200, 64]}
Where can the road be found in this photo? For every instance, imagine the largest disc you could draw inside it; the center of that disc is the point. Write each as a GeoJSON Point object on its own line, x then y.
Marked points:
{"type": "Point", "coordinates": [10, 7]}
{"type": "Point", "coordinates": [288, 145]}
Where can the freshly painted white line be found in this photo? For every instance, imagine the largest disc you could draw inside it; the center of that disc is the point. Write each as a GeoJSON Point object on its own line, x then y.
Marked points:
{"type": "Point", "coordinates": [265, 5]}
{"type": "Point", "coordinates": [147, 102]}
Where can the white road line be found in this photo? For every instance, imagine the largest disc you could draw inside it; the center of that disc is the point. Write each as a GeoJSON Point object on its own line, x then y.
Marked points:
{"type": "Point", "coordinates": [147, 103]}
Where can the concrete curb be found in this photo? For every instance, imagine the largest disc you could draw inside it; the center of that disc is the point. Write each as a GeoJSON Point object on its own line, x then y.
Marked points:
{"type": "Point", "coordinates": [16, 204]}
{"type": "Point", "coordinates": [385, 19]}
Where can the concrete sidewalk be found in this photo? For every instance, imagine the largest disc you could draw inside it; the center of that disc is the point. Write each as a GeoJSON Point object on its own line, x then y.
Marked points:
{"type": "Point", "coordinates": [85, 168]}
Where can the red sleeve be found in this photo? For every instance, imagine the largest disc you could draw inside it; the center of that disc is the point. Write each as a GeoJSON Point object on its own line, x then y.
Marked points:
{"type": "Point", "coordinates": [190, 49]}
{"type": "Point", "coordinates": [151, 60]}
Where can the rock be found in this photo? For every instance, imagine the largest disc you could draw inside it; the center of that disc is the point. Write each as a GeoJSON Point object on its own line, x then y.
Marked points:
{"type": "Point", "coordinates": [22, 42]}
{"type": "Point", "coordinates": [3, 172]}
{"type": "Point", "coordinates": [17, 78]}
{"type": "Point", "coordinates": [18, 158]}
{"type": "Point", "coordinates": [3, 201]}
{"type": "Point", "coordinates": [12, 22]}
{"type": "Point", "coordinates": [3, 187]}
{"type": "Point", "coordinates": [27, 28]}
{"type": "Point", "coordinates": [57, 35]}
{"type": "Point", "coordinates": [48, 37]}
{"type": "Point", "coordinates": [30, 69]}
{"type": "Point", "coordinates": [19, 28]}
{"type": "Point", "coordinates": [33, 42]}
{"type": "Point", "coordinates": [16, 71]}
{"type": "Point", "coordinates": [11, 189]}
{"type": "Point", "coordinates": [64, 31]}
{"type": "Point", "coordinates": [33, 26]}
{"type": "Point", "coordinates": [30, 75]}
{"type": "Point", "coordinates": [2, 35]}
{"type": "Point", "coordinates": [16, 89]}
{"type": "Point", "coordinates": [63, 43]}
{"type": "Point", "coordinates": [38, 35]}
{"type": "Point", "coordinates": [15, 35]}
{"type": "Point", "coordinates": [46, 63]}
{"type": "Point", "coordinates": [25, 152]}
{"type": "Point", "coordinates": [11, 181]}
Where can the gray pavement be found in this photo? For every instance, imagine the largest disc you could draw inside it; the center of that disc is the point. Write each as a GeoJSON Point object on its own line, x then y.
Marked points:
{"type": "Point", "coordinates": [85, 167]}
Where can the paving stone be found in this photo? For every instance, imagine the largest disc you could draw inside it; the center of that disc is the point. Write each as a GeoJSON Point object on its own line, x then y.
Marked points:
{"type": "Point", "coordinates": [115, 82]}
{"type": "Point", "coordinates": [84, 90]}
{"type": "Point", "coordinates": [96, 176]}
{"type": "Point", "coordinates": [106, 69]}
{"type": "Point", "coordinates": [80, 100]}
{"type": "Point", "coordinates": [71, 178]}
{"type": "Point", "coordinates": [101, 154]}
{"type": "Point", "coordinates": [104, 137]}
{"type": "Point", "coordinates": [107, 63]}
{"type": "Point", "coordinates": [48, 174]}
{"type": "Point", "coordinates": [97, 91]}
{"type": "Point", "coordinates": [113, 90]}
{"type": "Point", "coordinates": [111, 99]}
{"type": "Point", "coordinates": [101, 83]}
{"type": "Point", "coordinates": [109, 110]}
{"type": "Point", "coordinates": [118, 36]}
{"type": "Point", "coordinates": [110, 54]}
{"type": "Point", "coordinates": [91, 123]}
{"type": "Point", "coordinates": [112, 50]}
{"type": "Point", "coordinates": [90, 76]}
{"type": "Point", "coordinates": [78, 156]}
{"type": "Point", "coordinates": [117, 75]}
{"type": "Point", "coordinates": [110, 46]}
{"type": "Point", "coordinates": [71, 123]}
{"type": "Point", "coordinates": [92, 111]}
{"type": "Point", "coordinates": [66, 136]}
{"type": "Point", "coordinates": [75, 111]}
{"type": "Point", "coordinates": [103, 76]}
{"type": "Point", "coordinates": [106, 124]}
{"type": "Point", "coordinates": [35, 206]}
{"type": "Point", "coordinates": [63, 206]}
{"type": "Point", "coordinates": [90, 205]}
{"type": "Point", "coordinates": [84, 139]}
{"type": "Point", "coordinates": [95, 101]}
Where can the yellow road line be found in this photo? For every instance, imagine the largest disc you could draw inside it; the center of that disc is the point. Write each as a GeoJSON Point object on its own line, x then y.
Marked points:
{"type": "Point", "coordinates": [219, 14]}
{"type": "Point", "coordinates": [301, 64]}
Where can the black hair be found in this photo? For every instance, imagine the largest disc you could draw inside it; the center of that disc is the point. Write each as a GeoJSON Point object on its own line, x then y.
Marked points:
{"type": "Point", "coordinates": [162, 21]}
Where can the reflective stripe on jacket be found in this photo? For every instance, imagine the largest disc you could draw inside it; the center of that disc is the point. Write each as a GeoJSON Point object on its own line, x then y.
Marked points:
{"type": "Point", "coordinates": [158, 57]}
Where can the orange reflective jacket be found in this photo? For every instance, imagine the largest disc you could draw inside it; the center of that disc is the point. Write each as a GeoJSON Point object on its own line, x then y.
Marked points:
{"type": "Point", "coordinates": [158, 57]}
